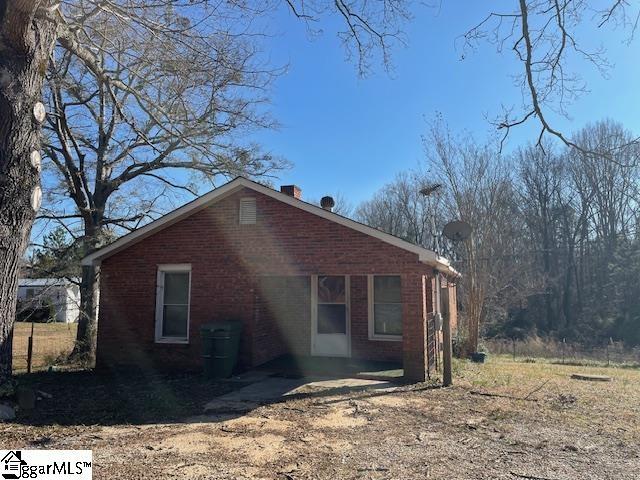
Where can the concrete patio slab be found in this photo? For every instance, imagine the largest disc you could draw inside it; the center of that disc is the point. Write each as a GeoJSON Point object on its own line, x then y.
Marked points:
{"type": "Point", "coordinates": [340, 384]}
{"type": "Point", "coordinates": [276, 389]}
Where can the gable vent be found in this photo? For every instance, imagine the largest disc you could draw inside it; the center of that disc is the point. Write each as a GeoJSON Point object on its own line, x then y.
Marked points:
{"type": "Point", "coordinates": [247, 211]}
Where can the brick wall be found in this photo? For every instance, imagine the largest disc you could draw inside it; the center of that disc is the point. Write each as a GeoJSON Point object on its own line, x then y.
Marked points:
{"type": "Point", "coordinates": [361, 346]}
{"type": "Point", "coordinates": [228, 265]}
{"type": "Point", "coordinates": [283, 323]}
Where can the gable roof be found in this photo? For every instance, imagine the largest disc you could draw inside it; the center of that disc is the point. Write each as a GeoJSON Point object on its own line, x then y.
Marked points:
{"type": "Point", "coordinates": [425, 255]}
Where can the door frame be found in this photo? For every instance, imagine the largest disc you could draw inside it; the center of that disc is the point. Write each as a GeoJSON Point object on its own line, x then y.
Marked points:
{"type": "Point", "coordinates": [314, 312]}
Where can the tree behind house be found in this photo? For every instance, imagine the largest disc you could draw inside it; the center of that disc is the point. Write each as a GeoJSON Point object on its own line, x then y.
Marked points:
{"type": "Point", "coordinates": [179, 99]}
{"type": "Point", "coordinates": [555, 243]}
{"type": "Point", "coordinates": [58, 256]}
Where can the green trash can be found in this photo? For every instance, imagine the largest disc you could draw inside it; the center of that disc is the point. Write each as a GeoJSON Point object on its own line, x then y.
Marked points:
{"type": "Point", "coordinates": [220, 346]}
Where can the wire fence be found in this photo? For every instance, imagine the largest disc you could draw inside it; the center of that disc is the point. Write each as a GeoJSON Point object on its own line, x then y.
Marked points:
{"type": "Point", "coordinates": [609, 353]}
{"type": "Point", "coordinates": [50, 344]}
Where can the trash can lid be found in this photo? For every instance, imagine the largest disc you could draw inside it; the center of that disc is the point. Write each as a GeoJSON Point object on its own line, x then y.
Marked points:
{"type": "Point", "coordinates": [227, 325]}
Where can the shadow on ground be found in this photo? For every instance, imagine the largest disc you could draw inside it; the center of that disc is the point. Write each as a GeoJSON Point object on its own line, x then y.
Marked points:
{"type": "Point", "coordinates": [92, 397]}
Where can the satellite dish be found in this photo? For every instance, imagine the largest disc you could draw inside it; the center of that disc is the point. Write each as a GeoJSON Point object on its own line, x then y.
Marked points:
{"type": "Point", "coordinates": [457, 230]}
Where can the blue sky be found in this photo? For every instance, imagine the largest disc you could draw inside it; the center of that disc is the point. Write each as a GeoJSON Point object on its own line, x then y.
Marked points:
{"type": "Point", "coordinates": [349, 135]}
{"type": "Point", "coordinates": [352, 135]}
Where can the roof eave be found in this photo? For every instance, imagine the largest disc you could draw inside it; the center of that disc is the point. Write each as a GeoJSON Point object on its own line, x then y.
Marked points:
{"type": "Point", "coordinates": [439, 263]}
{"type": "Point", "coordinates": [425, 256]}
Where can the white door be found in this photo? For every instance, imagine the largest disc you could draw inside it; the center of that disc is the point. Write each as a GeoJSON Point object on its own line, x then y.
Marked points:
{"type": "Point", "coordinates": [330, 316]}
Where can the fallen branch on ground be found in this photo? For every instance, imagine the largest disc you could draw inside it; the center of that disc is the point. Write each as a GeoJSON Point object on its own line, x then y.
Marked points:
{"type": "Point", "coordinates": [527, 397]}
{"type": "Point", "coordinates": [537, 389]}
{"type": "Point", "coordinates": [510, 397]}
{"type": "Point", "coordinates": [530, 477]}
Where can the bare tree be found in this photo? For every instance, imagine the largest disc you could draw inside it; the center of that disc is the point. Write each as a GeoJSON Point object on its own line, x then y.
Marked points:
{"type": "Point", "coordinates": [612, 185]}
{"type": "Point", "coordinates": [369, 29]}
{"type": "Point", "coordinates": [90, 36]}
{"type": "Point", "coordinates": [547, 38]}
{"type": "Point", "coordinates": [479, 190]}
{"type": "Point", "coordinates": [554, 249]}
{"type": "Point", "coordinates": [401, 210]}
{"type": "Point", "coordinates": [179, 99]}
{"type": "Point", "coordinates": [605, 188]}
{"type": "Point", "coordinates": [541, 178]}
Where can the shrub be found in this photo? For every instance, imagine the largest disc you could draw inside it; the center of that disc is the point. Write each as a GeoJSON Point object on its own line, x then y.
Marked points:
{"type": "Point", "coordinates": [36, 313]}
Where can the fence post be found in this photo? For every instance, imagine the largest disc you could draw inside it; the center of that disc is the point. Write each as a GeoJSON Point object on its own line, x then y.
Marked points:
{"type": "Point", "coordinates": [513, 344]}
{"type": "Point", "coordinates": [564, 340]}
{"type": "Point", "coordinates": [30, 350]}
{"type": "Point", "coordinates": [608, 357]}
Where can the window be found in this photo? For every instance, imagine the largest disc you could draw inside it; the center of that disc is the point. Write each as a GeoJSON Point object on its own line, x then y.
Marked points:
{"type": "Point", "coordinates": [247, 211]}
{"type": "Point", "coordinates": [332, 304]}
{"type": "Point", "coordinates": [172, 303]}
{"type": "Point", "coordinates": [385, 307]}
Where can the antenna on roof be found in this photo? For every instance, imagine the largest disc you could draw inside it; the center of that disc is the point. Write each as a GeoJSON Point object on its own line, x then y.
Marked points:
{"type": "Point", "coordinates": [430, 188]}
{"type": "Point", "coordinates": [427, 190]}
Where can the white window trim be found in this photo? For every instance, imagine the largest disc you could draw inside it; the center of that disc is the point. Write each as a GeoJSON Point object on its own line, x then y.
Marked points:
{"type": "Point", "coordinates": [371, 302]}
{"type": "Point", "coordinates": [175, 267]}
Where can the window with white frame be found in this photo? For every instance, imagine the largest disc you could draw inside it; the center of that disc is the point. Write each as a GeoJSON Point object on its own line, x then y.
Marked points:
{"type": "Point", "coordinates": [385, 307]}
{"type": "Point", "coordinates": [172, 303]}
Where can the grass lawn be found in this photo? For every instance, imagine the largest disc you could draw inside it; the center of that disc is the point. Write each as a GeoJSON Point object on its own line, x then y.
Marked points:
{"type": "Point", "coordinates": [50, 341]}
{"type": "Point", "coordinates": [500, 420]}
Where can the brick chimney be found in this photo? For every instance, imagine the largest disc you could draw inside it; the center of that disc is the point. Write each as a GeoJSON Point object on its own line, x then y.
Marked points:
{"type": "Point", "coordinates": [291, 190]}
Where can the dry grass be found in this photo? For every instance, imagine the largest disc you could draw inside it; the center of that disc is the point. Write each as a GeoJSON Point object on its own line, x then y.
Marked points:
{"type": "Point", "coordinates": [613, 406]}
{"type": "Point", "coordinates": [50, 341]}
{"type": "Point", "coordinates": [538, 423]}
{"type": "Point", "coordinates": [570, 353]}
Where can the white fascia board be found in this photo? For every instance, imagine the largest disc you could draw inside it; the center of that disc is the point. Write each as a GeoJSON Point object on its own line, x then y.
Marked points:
{"type": "Point", "coordinates": [424, 255]}
{"type": "Point", "coordinates": [441, 264]}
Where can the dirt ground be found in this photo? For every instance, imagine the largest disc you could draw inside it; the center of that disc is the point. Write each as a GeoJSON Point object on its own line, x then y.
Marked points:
{"type": "Point", "coordinates": [501, 420]}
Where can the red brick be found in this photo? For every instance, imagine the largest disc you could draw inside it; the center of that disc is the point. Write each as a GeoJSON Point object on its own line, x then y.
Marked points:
{"type": "Point", "coordinates": [229, 263]}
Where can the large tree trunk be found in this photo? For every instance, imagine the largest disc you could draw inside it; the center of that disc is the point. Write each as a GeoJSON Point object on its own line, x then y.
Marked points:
{"type": "Point", "coordinates": [25, 46]}
{"type": "Point", "coordinates": [85, 346]}
{"type": "Point", "coordinates": [475, 300]}
{"type": "Point", "coordinates": [11, 248]}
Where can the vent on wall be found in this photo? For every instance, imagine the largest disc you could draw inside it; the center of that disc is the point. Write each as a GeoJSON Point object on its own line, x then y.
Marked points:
{"type": "Point", "coordinates": [247, 211]}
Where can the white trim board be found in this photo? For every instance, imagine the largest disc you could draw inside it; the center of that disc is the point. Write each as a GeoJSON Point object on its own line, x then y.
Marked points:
{"type": "Point", "coordinates": [425, 255]}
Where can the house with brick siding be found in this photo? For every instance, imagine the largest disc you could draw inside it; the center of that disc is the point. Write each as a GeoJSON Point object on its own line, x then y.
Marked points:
{"type": "Point", "coordinates": [303, 280]}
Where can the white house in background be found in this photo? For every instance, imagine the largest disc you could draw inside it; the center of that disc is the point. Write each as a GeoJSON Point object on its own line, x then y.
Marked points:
{"type": "Point", "coordinates": [62, 293]}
